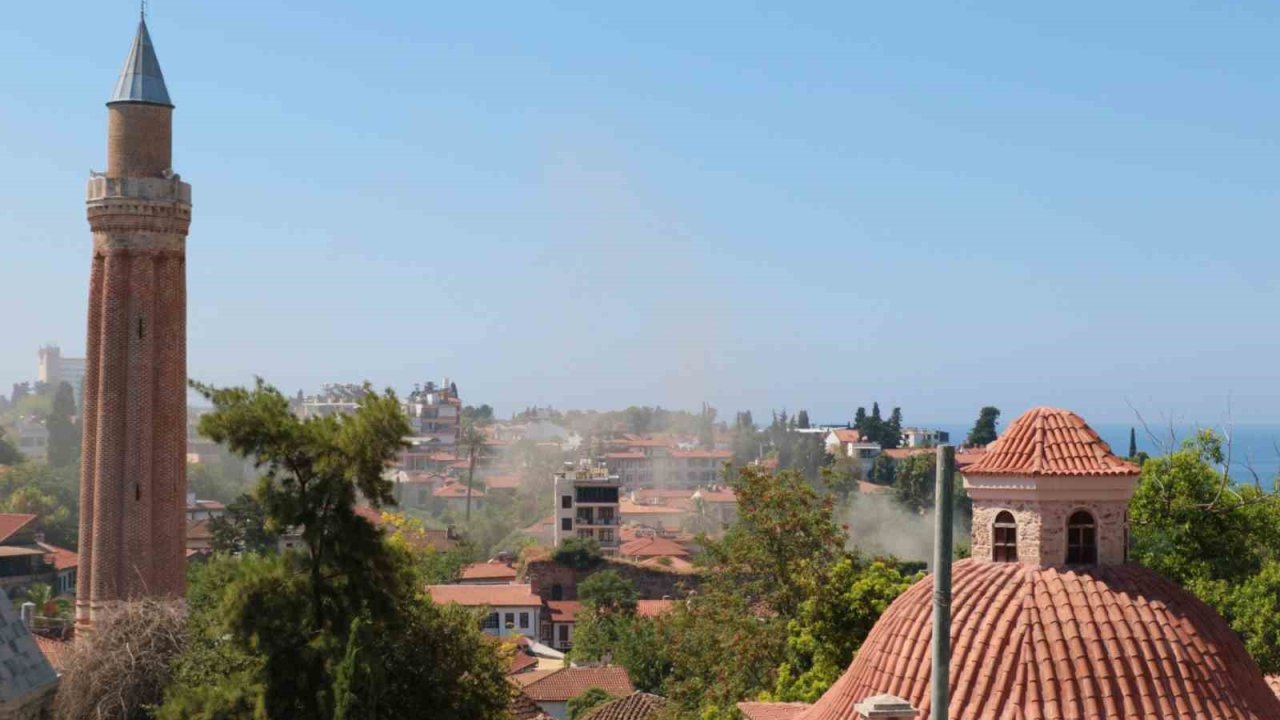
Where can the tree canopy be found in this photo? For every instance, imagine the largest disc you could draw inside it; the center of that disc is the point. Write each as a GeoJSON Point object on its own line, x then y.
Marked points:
{"type": "Point", "coordinates": [984, 428]}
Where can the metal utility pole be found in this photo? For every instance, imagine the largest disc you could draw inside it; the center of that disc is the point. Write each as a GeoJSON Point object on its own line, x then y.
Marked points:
{"type": "Point", "coordinates": [940, 698]}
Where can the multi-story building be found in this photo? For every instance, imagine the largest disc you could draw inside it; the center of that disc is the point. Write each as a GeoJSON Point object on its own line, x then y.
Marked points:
{"type": "Point", "coordinates": [31, 435]}
{"type": "Point", "coordinates": [55, 369]}
{"type": "Point", "coordinates": [333, 399]}
{"type": "Point", "coordinates": [587, 505]}
{"type": "Point", "coordinates": [435, 414]}
{"type": "Point", "coordinates": [914, 437]}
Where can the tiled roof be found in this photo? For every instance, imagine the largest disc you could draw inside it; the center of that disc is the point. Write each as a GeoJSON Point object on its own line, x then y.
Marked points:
{"type": "Point", "coordinates": [718, 496]}
{"type": "Point", "coordinates": [847, 436]}
{"type": "Point", "coordinates": [624, 456]}
{"type": "Point", "coordinates": [965, 458]}
{"type": "Point", "coordinates": [522, 707]}
{"type": "Point", "coordinates": [636, 706]}
{"type": "Point", "coordinates": [653, 608]}
{"type": "Point", "coordinates": [702, 454]}
{"type": "Point", "coordinates": [457, 491]}
{"type": "Point", "coordinates": [564, 611]}
{"type": "Point", "coordinates": [653, 547]}
{"type": "Point", "coordinates": [502, 482]}
{"type": "Point", "coordinates": [491, 595]}
{"type": "Point", "coordinates": [63, 559]}
{"type": "Point", "coordinates": [771, 710]}
{"type": "Point", "coordinates": [671, 564]}
{"type": "Point", "coordinates": [1035, 643]}
{"type": "Point", "coordinates": [491, 570]}
{"type": "Point", "coordinates": [565, 683]}
{"type": "Point", "coordinates": [627, 507]}
{"type": "Point", "coordinates": [11, 523]}
{"type": "Point", "coordinates": [1050, 441]}
{"type": "Point", "coordinates": [57, 652]}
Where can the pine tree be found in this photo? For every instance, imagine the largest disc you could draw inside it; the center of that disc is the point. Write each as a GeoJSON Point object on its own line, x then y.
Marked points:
{"type": "Point", "coordinates": [802, 420]}
{"type": "Point", "coordinates": [984, 429]}
{"type": "Point", "coordinates": [860, 419]}
{"type": "Point", "coordinates": [64, 436]}
{"type": "Point", "coordinates": [1133, 443]}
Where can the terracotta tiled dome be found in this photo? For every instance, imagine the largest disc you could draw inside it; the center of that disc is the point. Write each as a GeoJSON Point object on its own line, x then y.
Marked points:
{"type": "Point", "coordinates": [1031, 643]}
{"type": "Point", "coordinates": [1050, 441]}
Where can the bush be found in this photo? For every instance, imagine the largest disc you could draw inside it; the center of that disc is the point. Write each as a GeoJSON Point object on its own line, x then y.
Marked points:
{"type": "Point", "coordinates": [120, 671]}
{"type": "Point", "coordinates": [578, 553]}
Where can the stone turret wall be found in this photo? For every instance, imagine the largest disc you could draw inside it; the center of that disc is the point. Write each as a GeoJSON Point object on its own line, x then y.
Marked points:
{"type": "Point", "coordinates": [1042, 529]}
{"type": "Point", "coordinates": [651, 583]}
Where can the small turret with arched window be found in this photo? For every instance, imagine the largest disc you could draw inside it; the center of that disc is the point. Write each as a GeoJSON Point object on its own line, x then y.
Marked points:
{"type": "Point", "coordinates": [1050, 493]}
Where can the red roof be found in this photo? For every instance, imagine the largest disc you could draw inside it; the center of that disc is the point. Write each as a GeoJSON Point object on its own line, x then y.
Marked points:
{"type": "Point", "coordinates": [653, 547]}
{"type": "Point", "coordinates": [522, 707]}
{"type": "Point", "coordinates": [492, 570]}
{"type": "Point", "coordinates": [848, 436]}
{"type": "Point", "coordinates": [1050, 441]}
{"type": "Point", "coordinates": [63, 559]}
{"type": "Point", "coordinates": [653, 608]}
{"type": "Point", "coordinates": [502, 482]}
{"type": "Point", "coordinates": [564, 611]}
{"type": "Point", "coordinates": [565, 683]}
{"type": "Point", "coordinates": [457, 490]}
{"type": "Point", "coordinates": [771, 710]}
{"type": "Point", "coordinates": [489, 595]}
{"type": "Point", "coordinates": [57, 652]}
{"type": "Point", "coordinates": [1109, 642]}
{"type": "Point", "coordinates": [627, 507]}
{"type": "Point", "coordinates": [636, 706]}
{"type": "Point", "coordinates": [11, 523]}
{"type": "Point", "coordinates": [718, 496]}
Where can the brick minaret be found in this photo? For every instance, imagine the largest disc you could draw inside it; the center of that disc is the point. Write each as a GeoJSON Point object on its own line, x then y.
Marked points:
{"type": "Point", "coordinates": [133, 462]}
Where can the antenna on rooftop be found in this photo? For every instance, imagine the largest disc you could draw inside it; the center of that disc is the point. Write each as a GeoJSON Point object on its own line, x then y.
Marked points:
{"type": "Point", "coordinates": [143, 8]}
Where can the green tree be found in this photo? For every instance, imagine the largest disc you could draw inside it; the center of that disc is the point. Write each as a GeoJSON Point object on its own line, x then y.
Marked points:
{"type": "Point", "coordinates": [64, 433]}
{"type": "Point", "coordinates": [892, 434]}
{"type": "Point", "coordinates": [50, 493]}
{"type": "Point", "coordinates": [608, 592]}
{"type": "Point", "coordinates": [243, 528]}
{"type": "Point", "coordinates": [802, 420]}
{"type": "Point", "coordinates": [578, 553]}
{"type": "Point", "coordinates": [883, 471]}
{"type": "Point", "coordinates": [294, 614]}
{"type": "Point", "coordinates": [984, 428]}
{"type": "Point", "coordinates": [839, 612]}
{"type": "Point", "coordinates": [588, 700]}
{"type": "Point", "coordinates": [915, 481]}
{"type": "Point", "coordinates": [9, 454]}
{"type": "Point", "coordinates": [1133, 443]}
{"type": "Point", "coordinates": [472, 441]}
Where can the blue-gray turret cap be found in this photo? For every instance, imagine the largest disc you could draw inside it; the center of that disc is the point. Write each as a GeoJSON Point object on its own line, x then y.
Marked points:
{"type": "Point", "coordinates": [141, 80]}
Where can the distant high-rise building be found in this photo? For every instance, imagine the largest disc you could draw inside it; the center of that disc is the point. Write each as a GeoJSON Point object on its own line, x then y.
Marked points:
{"type": "Point", "coordinates": [55, 369]}
{"type": "Point", "coordinates": [133, 469]}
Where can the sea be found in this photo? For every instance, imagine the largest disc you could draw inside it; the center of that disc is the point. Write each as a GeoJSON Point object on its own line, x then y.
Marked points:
{"type": "Point", "coordinates": [1255, 449]}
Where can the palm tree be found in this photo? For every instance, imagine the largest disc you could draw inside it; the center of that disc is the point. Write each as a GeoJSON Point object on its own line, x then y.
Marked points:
{"type": "Point", "coordinates": [42, 596]}
{"type": "Point", "coordinates": [472, 441]}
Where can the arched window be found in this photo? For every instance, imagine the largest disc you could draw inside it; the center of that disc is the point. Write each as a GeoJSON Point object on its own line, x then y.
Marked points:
{"type": "Point", "coordinates": [1004, 538]}
{"type": "Point", "coordinates": [1082, 539]}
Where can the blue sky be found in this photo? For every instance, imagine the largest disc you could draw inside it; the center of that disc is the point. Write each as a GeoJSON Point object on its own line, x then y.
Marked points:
{"type": "Point", "coordinates": [760, 206]}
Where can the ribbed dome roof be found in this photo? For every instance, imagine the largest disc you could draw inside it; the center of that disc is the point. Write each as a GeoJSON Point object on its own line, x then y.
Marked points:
{"type": "Point", "coordinates": [1043, 643]}
{"type": "Point", "coordinates": [1050, 441]}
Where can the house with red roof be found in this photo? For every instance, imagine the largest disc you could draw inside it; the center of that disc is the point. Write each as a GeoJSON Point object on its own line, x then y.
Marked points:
{"type": "Point", "coordinates": [452, 496]}
{"type": "Point", "coordinates": [553, 689]}
{"type": "Point", "coordinates": [491, 572]}
{"type": "Point", "coordinates": [22, 559]}
{"type": "Point", "coordinates": [513, 608]}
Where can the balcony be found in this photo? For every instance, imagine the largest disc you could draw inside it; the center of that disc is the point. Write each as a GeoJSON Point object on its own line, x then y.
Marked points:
{"type": "Point", "coordinates": [589, 521]}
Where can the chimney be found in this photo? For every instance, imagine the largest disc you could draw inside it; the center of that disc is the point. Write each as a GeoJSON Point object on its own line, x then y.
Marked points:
{"type": "Point", "coordinates": [885, 707]}
{"type": "Point", "coordinates": [28, 614]}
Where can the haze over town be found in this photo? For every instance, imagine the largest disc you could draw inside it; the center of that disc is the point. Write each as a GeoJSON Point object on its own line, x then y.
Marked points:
{"type": "Point", "coordinates": [595, 207]}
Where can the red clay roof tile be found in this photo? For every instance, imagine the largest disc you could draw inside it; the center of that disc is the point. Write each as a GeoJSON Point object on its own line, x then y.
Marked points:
{"type": "Point", "coordinates": [565, 683]}
{"type": "Point", "coordinates": [1027, 642]}
{"type": "Point", "coordinates": [1050, 441]}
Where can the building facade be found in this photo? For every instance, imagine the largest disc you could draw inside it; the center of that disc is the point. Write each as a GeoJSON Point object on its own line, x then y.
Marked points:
{"type": "Point", "coordinates": [55, 369]}
{"type": "Point", "coordinates": [133, 476]}
{"type": "Point", "coordinates": [587, 506]}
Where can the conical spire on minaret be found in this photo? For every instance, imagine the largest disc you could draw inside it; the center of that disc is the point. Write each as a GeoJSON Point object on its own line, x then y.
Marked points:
{"type": "Point", "coordinates": [141, 80]}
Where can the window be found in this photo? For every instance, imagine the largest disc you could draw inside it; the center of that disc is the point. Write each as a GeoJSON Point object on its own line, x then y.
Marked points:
{"type": "Point", "coordinates": [557, 592]}
{"type": "Point", "coordinates": [563, 632]}
{"type": "Point", "coordinates": [510, 620]}
{"type": "Point", "coordinates": [565, 523]}
{"type": "Point", "coordinates": [1082, 539]}
{"type": "Point", "coordinates": [566, 502]}
{"type": "Point", "coordinates": [491, 622]}
{"type": "Point", "coordinates": [524, 621]}
{"type": "Point", "coordinates": [606, 536]}
{"type": "Point", "coordinates": [1004, 538]}
{"type": "Point", "coordinates": [585, 534]}
{"type": "Point", "coordinates": [597, 495]}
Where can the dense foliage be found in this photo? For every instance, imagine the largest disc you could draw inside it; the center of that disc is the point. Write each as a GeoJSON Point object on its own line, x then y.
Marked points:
{"type": "Point", "coordinates": [984, 428]}
{"type": "Point", "coordinates": [1192, 524]}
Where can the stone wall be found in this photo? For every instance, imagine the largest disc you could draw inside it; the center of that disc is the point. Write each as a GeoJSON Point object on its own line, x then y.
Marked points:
{"type": "Point", "coordinates": [651, 583]}
{"type": "Point", "coordinates": [1042, 529]}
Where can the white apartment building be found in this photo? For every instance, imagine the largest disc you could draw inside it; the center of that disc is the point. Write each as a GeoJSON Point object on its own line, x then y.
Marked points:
{"type": "Point", "coordinates": [587, 505]}
{"type": "Point", "coordinates": [55, 369]}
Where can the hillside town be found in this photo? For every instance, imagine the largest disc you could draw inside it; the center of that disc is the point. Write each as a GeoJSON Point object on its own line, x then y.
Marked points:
{"type": "Point", "coordinates": [173, 548]}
